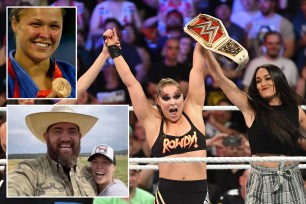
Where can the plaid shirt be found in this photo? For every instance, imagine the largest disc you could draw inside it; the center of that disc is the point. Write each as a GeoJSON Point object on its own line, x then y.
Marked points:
{"type": "Point", "coordinates": [45, 177]}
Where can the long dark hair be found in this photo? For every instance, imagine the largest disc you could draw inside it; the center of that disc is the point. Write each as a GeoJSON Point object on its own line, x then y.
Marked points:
{"type": "Point", "coordinates": [277, 124]}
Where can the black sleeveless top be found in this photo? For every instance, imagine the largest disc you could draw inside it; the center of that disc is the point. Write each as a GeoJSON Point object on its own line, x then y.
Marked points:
{"type": "Point", "coordinates": [260, 139]}
{"type": "Point", "coordinates": [166, 145]}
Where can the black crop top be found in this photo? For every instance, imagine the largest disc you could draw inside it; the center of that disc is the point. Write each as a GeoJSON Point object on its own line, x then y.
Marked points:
{"type": "Point", "coordinates": [262, 142]}
{"type": "Point", "coordinates": [166, 145]}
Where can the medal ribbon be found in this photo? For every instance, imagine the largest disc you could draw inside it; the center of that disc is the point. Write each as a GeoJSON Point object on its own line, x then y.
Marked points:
{"type": "Point", "coordinates": [41, 93]}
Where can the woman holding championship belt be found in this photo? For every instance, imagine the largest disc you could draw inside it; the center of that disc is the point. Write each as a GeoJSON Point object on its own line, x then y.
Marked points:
{"type": "Point", "coordinates": [32, 72]}
{"type": "Point", "coordinates": [175, 120]}
{"type": "Point", "coordinates": [273, 118]}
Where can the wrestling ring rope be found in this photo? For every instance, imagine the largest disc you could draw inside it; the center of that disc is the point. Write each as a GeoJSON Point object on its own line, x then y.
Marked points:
{"type": "Point", "coordinates": [212, 160]}
{"type": "Point", "coordinates": [205, 159]}
{"type": "Point", "coordinates": [214, 108]}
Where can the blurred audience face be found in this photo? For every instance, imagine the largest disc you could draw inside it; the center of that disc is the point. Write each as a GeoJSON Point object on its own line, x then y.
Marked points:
{"type": "Point", "coordinates": [223, 12]}
{"type": "Point", "coordinates": [232, 151]}
{"type": "Point", "coordinates": [133, 179]}
{"type": "Point", "coordinates": [174, 19]}
{"type": "Point", "coordinates": [249, 5]}
{"type": "Point", "coordinates": [128, 34]}
{"type": "Point", "coordinates": [222, 116]}
{"type": "Point", "coordinates": [139, 131]}
{"type": "Point", "coordinates": [273, 45]}
{"type": "Point", "coordinates": [111, 25]}
{"type": "Point", "coordinates": [185, 45]}
{"type": "Point", "coordinates": [266, 6]}
{"type": "Point", "coordinates": [110, 73]}
{"type": "Point", "coordinates": [171, 49]}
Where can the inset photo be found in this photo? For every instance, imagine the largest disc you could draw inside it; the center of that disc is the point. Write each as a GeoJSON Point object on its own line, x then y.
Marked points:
{"type": "Point", "coordinates": [41, 48]}
{"type": "Point", "coordinates": [2, 152]}
{"type": "Point", "coordinates": [59, 151]}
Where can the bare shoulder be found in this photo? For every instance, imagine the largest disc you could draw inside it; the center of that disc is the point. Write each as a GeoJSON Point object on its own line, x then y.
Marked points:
{"type": "Point", "coordinates": [302, 116]}
{"type": "Point", "coordinates": [196, 116]}
{"type": "Point", "coordinates": [152, 126]}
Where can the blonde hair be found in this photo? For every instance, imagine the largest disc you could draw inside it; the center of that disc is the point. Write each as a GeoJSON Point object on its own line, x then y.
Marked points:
{"type": "Point", "coordinates": [17, 12]}
{"type": "Point", "coordinates": [163, 83]}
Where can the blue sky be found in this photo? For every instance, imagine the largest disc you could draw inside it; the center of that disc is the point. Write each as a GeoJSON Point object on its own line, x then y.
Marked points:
{"type": "Point", "coordinates": [110, 129]}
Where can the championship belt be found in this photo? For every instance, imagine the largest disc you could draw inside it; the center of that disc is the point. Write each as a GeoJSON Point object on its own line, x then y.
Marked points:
{"type": "Point", "coordinates": [211, 34]}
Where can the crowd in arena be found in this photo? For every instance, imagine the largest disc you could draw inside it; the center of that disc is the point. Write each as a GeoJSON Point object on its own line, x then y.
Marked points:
{"type": "Point", "coordinates": [155, 46]}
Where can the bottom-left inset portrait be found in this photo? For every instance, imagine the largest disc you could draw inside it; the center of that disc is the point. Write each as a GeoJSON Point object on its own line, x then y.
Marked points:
{"type": "Point", "coordinates": [63, 151]}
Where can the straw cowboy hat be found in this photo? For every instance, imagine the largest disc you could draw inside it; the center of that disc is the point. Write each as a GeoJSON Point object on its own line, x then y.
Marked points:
{"type": "Point", "coordinates": [39, 122]}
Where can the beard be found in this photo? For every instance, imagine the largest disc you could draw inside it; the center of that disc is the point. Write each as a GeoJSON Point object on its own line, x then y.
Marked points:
{"type": "Point", "coordinates": [67, 160]}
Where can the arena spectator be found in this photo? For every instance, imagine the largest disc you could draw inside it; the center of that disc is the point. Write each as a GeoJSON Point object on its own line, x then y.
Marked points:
{"type": "Point", "coordinates": [168, 67]}
{"type": "Point", "coordinates": [223, 11]}
{"type": "Point", "coordinates": [236, 196]}
{"type": "Point", "coordinates": [122, 10]}
{"type": "Point", "coordinates": [299, 23]}
{"type": "Point", "coordinates": [273, 42]}
{"type": "Point", "coordinates": [301, 83]}
{"type": "Point", "coordinates": [82, 12]}
{"type": "Point", "coordinates": [246, 14]}
{"type": "Point", "coordinates": [269, 20]}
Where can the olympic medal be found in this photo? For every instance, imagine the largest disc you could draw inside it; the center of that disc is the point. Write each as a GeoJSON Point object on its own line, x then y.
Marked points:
{"type": "Point", "coordinates": [62, 87]}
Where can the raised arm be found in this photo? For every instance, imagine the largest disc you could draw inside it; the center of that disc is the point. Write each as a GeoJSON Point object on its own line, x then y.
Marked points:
{"type": "Point", "coordinates": [196, 88]}
{"type": "Point", "coordinates": [234, 94]}
{"type": "Point", "coordinates": [90, 75]}
{"type": "Point", "coordinates": [143, 110]}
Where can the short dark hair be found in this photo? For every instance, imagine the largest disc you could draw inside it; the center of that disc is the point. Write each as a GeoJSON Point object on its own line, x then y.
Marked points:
{"type": "Point", "coordinates": [273, 33]}
{"type": "Point", "coordinates": [113, 20]}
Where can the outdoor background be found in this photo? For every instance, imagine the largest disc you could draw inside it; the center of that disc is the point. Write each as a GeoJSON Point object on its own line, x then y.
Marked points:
{"type": "Point", "coordinates": [111, 129]}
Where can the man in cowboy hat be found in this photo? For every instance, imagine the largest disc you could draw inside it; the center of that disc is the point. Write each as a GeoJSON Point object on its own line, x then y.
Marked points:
{"type": "Point", "coordinates": [58, 173]}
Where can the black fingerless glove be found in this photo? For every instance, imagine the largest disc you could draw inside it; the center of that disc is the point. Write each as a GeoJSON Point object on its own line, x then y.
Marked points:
{"type": "Point", "coordinates": [114, 51]}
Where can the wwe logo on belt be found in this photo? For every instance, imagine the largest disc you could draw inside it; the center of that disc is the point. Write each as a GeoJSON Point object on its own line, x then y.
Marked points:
{"type": "Point", "coordinates": [207, 28]}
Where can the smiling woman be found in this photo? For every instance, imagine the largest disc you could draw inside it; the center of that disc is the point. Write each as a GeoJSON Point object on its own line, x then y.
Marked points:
{"type": "Point", "coordinates": [32, 71]}
{"type": "Point", "coordinates": [103, 165]}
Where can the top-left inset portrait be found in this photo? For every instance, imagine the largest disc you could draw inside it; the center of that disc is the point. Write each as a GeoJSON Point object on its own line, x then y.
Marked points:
{"type": "Point", "coordinates": [41, 47]}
